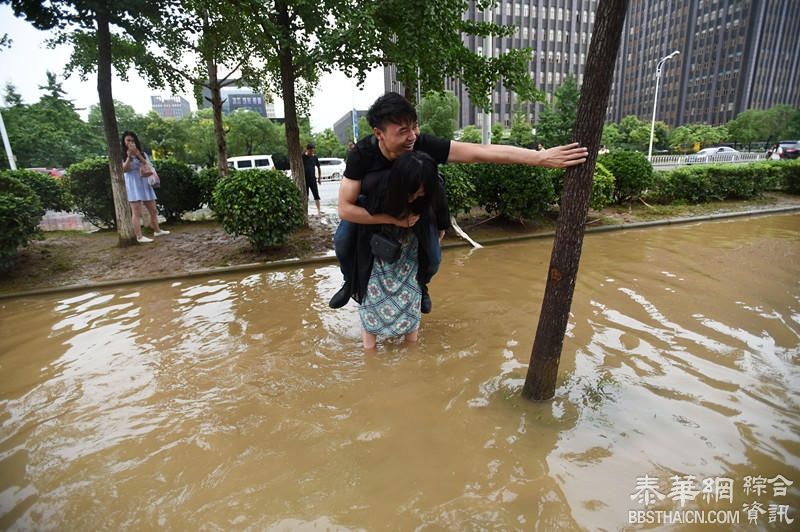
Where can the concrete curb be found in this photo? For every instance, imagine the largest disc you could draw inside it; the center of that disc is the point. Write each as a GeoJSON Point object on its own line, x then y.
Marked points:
{"type": "Point", "coordinates": [331, 259]}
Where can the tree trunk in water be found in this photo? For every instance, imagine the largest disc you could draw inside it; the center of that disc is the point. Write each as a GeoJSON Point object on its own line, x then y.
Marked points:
{"type": "Point", "coordinates": [122, 209]}
{"type": "Point", "coordinates": [216, 106]}
{"type": "Point", "coordinates": [540, 382]}
{"type": "Point", "coordinates": [290, 110]}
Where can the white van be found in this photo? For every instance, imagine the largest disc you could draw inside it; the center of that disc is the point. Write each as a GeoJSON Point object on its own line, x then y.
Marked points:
{"type": "Point", "coordinates": [246, 162]}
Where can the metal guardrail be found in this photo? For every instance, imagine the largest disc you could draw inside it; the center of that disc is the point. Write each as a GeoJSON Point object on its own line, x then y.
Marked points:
{"type": "Point", "coordinates": [680, 160]}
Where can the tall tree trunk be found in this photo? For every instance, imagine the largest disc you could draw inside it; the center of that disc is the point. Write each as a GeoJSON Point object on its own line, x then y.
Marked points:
{"type": "Point", "coordinates": [540, 382]}
{"type": "Point", "coordinates": [216, 105]}
{"type": "Point", "coordinates": [290, 107]}
{"type": "Point", "coordinates": [122, 209]}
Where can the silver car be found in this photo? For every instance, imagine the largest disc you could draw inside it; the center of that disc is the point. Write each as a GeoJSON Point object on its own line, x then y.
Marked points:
{"type": "Point", "coordinates": [720, 154]}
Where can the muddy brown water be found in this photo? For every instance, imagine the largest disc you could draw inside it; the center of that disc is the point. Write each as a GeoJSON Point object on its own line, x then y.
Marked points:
{"type": "Point", "coordinates": [244, 403]}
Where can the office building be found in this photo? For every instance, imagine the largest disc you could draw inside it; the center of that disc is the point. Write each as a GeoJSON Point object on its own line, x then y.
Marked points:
{"type": "Point", "coordinates": [170, 106]}
{"type": "Point", "coordinates": [735, 55]}
{"type": "Point", "coordinates": [343, 128]}
{"type": "Point", "coordinates": [239, 97]}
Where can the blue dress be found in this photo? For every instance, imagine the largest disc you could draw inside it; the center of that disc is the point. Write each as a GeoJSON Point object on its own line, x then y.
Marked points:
{"type": "Point", "coordinates": [391, 305]}
{"type": "Point", "coordinates": [136, 187]}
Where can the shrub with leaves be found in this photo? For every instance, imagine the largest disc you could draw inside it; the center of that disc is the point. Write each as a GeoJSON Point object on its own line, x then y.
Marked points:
{"type": "Point", "coordinates": [514, 191]}
{"type": "Point", "coordinates": [265, 206]}
{"type": "Point", "coordinates": [180, 190]}
{"type": "Point", "coordinates": [787, 175]}
{"type": "Point", "coordinates": [459, 188]}
{"type": "Point", "coordinates": [706, 183]}
{"type": "Point", "coordinates": [632, 173]}
{"type": "Point", "coordinates": [20, 214]}
{"type": "Point", "coordinates": [603, 185]}
{"type": "Point", "coordinates": [89, 184]}
{"type": "Point", "coordinates": [51, 192]}
{"type": "Point", "coordinates": [207, 179]}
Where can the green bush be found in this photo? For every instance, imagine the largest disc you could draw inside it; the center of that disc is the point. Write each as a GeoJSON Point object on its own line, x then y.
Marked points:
{"type": "Point", "coordinates": [207, 179]}
{"type": "Point", "coordinates": [89, 184]}
{"type": "Point", "coordinates": [632, 173]}
{"type": "Point", "coordinates": [788, 175]}
{"type": "Point", "coordinates": [513, 191]}
{"type": "Point", "coordinates": [706, 183]}
{"type": "Point", "coordinates": [265, 206]}
{"type": "Point", "coordinates": [51, 192]}
{"type": "Point", "coordinates": [603, 185]}
{"type": "Point", "coordinates": [459, 188]}
{"type": "Point", "coordinates": [180, 189]}
{"type": "Point", "coordinates": [20, 214]}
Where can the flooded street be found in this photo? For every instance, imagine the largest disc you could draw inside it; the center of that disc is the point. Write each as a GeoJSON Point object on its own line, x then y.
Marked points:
{"type": "Point", "coordinates": [244, 403]}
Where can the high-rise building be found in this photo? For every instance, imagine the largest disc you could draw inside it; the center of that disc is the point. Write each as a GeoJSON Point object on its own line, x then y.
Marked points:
{"type": "Point", "coordinates": [239, 97]}
{"type": "Point", "coordinates": [343, 127]}
{"type": "Point", "coordinates": [170, 106]}
{"type": "Point", "coordinates": [735, 55]}
{"type": "Point", "coordinates": [558, 32]}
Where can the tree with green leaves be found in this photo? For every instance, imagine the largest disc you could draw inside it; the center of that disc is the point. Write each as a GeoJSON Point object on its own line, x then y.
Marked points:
{"type": "Point", "coordinates": [249, 133]}
{"type": "Point", "coordinates": [424, 40]}
{"type": "Point", "coordinates": [328, 144]}
{"type": "Point", "coordinates": [87, 25]}
{"type": "Point", "coordinates": [471, 134]}
{"type": "Point", "coordinates": [521, 133]}
{"type": "Point", "coordinates": [558, 118]}
{"type": "Point", "coordinates": [438, 114]}
{"type": "Point", "coordinates": [49, 133]}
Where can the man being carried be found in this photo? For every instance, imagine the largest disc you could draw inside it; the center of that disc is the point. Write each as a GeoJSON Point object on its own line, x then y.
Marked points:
{"type": "Point", "coordinates": [395, 131]}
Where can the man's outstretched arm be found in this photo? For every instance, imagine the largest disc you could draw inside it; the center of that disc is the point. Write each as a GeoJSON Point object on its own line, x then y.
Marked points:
{"type": "Point", "coordinates": [557, 157]}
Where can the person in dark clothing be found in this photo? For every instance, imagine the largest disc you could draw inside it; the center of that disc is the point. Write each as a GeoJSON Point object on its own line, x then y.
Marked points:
{"type": "Point", "coordinates": [310, 161]}
{"type": "Point", "coordinates": [388, 290]}
{"type": "Point", "coordinates": [395, 132]}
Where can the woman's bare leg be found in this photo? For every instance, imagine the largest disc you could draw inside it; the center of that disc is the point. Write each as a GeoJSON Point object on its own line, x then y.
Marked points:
{"type": "Point", "coordinates": [151, 208]}
{"type": "Point", "coordinates": [412, 337]}
{"type": "Point", "coordinates": [136, 218]}
{"type": "Point", "coordinates": [370, 340]}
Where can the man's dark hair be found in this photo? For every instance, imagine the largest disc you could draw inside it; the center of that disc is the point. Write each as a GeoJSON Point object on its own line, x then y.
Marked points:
{"type": "Point", "coordinates": [391, 107]}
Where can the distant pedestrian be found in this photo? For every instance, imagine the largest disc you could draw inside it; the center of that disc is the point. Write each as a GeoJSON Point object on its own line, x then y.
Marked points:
{"type": "Point", "coordinates": [310, 162]}
{"type": "Point", "coordinates": [540, 147]}
{"type": "Point", "coordinates": [138, 188]}
{"type": "Point", "coordinates": [603, 150]}
{"type": "Point", "coordinates": [774, 152]}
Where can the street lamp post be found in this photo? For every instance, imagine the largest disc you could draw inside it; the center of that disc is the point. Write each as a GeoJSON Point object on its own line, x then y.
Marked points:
{"type": "Point", "coordinates": [655, 100]}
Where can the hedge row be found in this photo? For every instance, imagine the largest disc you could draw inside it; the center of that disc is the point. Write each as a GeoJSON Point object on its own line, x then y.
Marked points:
{"type": "Point", "coordinates": [702, 184]}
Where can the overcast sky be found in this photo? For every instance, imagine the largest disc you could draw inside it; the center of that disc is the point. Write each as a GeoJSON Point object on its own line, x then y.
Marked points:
{"type": "Point", "coordinates": [25, 65]}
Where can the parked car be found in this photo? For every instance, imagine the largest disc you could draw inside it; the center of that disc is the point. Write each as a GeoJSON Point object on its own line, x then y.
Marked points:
{"type": "Point", "coordinates": [244, 162]}
{"type": "Point", "coordinates": [789, 149]}
{"type": "Point", "coordinates": [718, 154]}
{"type": "Point", "coordinates": [332, 168]}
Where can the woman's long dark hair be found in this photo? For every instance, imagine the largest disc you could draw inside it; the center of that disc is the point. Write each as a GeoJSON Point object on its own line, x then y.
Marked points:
{"type": "Point", "coordinates": [135, 140]}
{"type": "Point", "coordinates": [409, 171]}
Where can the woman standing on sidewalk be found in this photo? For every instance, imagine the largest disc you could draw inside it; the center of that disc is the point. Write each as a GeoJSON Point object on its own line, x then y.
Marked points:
{"type": "Point", "coordinates": [138, 188]}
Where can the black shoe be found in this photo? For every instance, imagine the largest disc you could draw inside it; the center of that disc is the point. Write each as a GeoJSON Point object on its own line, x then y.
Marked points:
{"type": "Point", "coordinates": [341, 297]}
{"type": "Point", "coordinates": [426, 305]}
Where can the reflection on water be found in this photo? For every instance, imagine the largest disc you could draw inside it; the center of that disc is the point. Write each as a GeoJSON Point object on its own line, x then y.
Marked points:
{"type": "Point", "coordinates": [245, 403]}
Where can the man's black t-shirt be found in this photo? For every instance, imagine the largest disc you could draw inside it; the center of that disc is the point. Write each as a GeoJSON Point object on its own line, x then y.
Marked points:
{"type": "Point", "coordinates": [310, 162]}
{"type": "Point", "coordinates": [366, 157]}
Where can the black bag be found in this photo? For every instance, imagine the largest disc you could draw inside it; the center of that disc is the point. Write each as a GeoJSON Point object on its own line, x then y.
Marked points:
{"type": "Point", "coordinates": [384, 247]}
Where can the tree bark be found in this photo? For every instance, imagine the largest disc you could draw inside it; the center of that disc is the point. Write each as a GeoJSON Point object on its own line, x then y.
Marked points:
{"type": "Point", "coordinates": [540, 382]}
{"type": "Point", "coordinates": [290, 107]}
{"type": "Point", "coordinates": [122, 209]}
{"type": "Point", "coordinates": [216, 105]}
